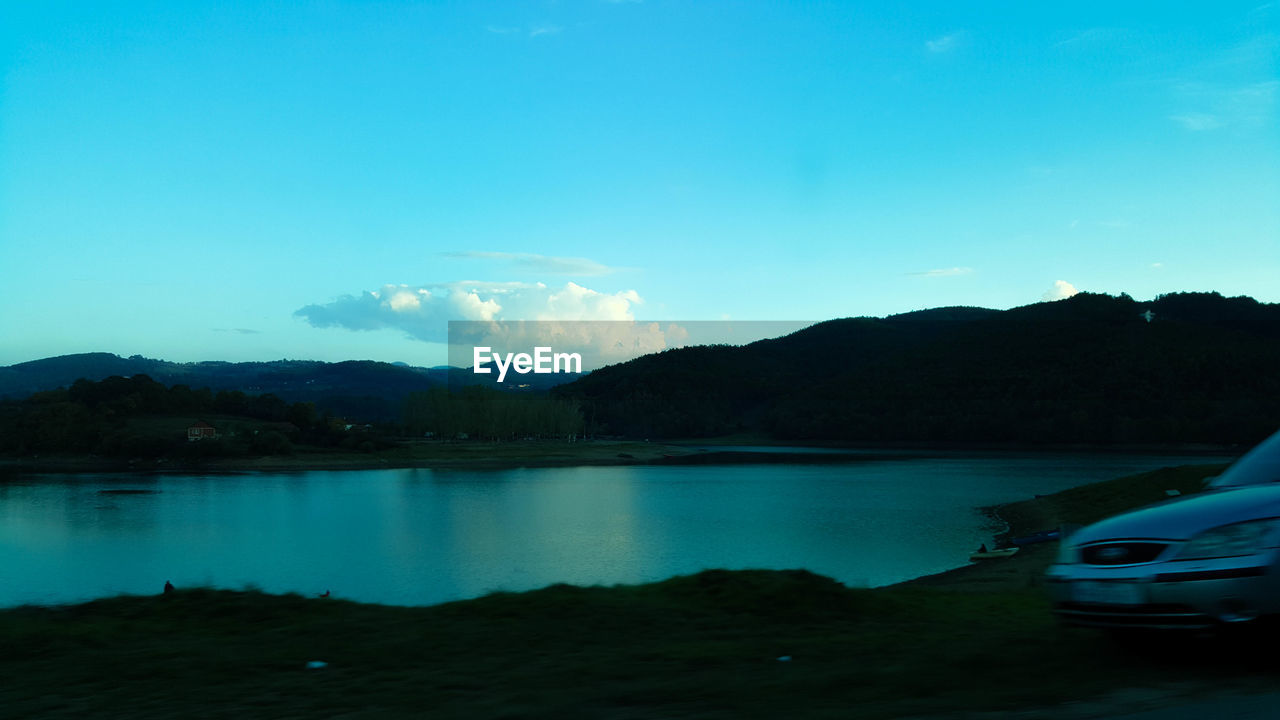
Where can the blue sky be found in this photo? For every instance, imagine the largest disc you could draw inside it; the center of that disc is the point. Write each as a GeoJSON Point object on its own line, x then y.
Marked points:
{"type": "Point", "coordinates": [329, 180]}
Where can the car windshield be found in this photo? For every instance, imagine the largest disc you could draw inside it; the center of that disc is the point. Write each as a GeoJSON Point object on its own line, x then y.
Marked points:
{"type": "Point", "coordinates": [1259, 465]}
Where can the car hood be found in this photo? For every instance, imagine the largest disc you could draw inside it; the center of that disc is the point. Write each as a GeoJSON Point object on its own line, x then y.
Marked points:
{"type": "Point", "coordinates": [1183, 518]}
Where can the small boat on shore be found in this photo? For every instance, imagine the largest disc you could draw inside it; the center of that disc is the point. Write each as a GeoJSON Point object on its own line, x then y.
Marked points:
{"type": "Point", "coordinates": [985, 554]}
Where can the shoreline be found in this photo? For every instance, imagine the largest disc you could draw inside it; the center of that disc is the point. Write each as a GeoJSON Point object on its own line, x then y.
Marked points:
{"type": "Point", "coordinates": [533, 454]}
{"type": "Point", "coordinates": [1079, 505]}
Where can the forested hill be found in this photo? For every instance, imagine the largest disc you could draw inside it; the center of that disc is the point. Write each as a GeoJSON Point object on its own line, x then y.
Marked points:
{"type": "Point", "coordinates": [363, 389]}
{"type": "Point", "coordinates": [1089, 369]}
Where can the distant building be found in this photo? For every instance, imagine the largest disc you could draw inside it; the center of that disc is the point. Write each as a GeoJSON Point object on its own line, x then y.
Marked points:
{"type": "Point", "coordinates": [200, 431]}
{"type": "Point", "coordinates": [1148, 316]}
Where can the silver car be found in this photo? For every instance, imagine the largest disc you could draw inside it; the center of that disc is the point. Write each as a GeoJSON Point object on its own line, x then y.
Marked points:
{"type": "Point", "coordinates": [1195, 562]}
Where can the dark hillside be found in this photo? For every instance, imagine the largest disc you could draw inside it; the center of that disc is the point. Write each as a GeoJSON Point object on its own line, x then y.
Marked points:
{"type": "Point", "coordinates": [371, 391]}
{"type": "Point", "coordinates": [1090, 369]}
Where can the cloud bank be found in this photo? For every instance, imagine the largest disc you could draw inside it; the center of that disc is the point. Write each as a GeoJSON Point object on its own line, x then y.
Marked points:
{"type": "Point", "coordinates": [517, 317]}
{"type": "Point", "coordinates": [423, 312]}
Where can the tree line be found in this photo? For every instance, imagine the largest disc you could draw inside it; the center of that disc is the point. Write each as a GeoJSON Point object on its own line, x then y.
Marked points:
{"type": "Point", "coordinates": [108, 418]}
{"type": "Point", "coordinates": [482, 413]}
{"type": "Point", "coordinates": [139, 417]}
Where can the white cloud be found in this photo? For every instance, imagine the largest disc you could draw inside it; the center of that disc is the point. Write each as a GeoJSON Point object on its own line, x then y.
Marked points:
{"type": "Point", "coordinates": [543, 264]}
{"type": "Point", "coordinates": [1197, 121]}
{"type": "Point", "coordinates": [599, 343]}
{"type": "Point", "coordinates": [405, 300]}
{"type": "Point", "coordinates": [944, 272]}
{"type": "Point", "coordinates": [502, 30]}
{"type": "Point", "coordinates": [423, 312]}
{"type": "Point", "coordinates": [1061, 290]}
{"type": "Point", "coordinates": [946, 43]}
{"type": "Point", "coordinates": [1254, 103]}
{"type": "Point", "coordinates": [1218, 104]}
{"type": "Point", "coordinates": [544, 30]}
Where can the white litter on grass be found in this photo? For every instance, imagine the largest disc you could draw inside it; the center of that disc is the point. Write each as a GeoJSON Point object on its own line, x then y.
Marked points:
{"type": "Point", "coordinates": [317, 664]}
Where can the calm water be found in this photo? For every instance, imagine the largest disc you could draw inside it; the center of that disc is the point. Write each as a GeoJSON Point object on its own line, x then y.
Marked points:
{"type": "Point", "coordinates": [425, 536]}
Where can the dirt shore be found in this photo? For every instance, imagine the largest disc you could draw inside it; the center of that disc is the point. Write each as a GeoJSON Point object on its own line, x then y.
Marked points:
{"type": "Point", "coordinates": [1072, 507]}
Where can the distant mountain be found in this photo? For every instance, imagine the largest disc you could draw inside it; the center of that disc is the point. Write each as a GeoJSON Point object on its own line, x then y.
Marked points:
{"type": "Point", "coordinates": [1186, 367]}
{"type": "Point", "coordinates": [372, 391]}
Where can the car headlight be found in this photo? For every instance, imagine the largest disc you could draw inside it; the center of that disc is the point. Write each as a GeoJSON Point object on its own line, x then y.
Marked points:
{"type": "Point", "coordinates": [1243, 538]}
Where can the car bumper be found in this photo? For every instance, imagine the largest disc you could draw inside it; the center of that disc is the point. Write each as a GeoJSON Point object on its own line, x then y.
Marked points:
{"type": "Point", "coordinates": [1166, 595]}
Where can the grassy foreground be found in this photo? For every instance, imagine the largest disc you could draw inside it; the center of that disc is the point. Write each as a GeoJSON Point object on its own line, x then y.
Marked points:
{"type": "Point", "coordinates": [709, 645]}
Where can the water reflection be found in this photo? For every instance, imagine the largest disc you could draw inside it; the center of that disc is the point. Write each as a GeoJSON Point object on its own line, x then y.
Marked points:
{"type": "Point", "coordinates": [424, 536]}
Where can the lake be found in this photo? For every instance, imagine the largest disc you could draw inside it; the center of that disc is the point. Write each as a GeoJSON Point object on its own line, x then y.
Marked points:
{"type": "Point", "coordinates": [420, 536]}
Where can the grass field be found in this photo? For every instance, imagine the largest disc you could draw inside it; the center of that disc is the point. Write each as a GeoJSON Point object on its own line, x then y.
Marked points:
{"type": "Point", "coordinates": [720, 644]}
